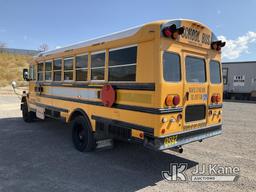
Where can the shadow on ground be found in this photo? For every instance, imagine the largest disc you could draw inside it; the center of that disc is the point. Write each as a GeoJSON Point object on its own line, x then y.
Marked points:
{"type": "Point", "coordinates": [40, 157]}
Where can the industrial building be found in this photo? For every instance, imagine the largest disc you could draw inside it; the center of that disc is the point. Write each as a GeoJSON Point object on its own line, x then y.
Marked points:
{"type": "Point", "coordinates": [239, 79]}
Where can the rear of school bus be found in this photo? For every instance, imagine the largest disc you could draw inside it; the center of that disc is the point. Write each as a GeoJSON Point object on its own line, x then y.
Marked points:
{"type": "Point", "coordinates": [190, 85]}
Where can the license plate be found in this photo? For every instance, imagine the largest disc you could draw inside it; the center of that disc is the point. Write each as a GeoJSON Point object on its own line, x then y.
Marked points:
{"type": "Point", "coordinates": [40, 112]}
{"type": "Point", "coordinates": [168, 141]}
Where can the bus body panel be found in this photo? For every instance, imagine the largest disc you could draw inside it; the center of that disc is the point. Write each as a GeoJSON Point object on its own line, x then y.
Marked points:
{"type": "Point", "coordinates": [140, 105]}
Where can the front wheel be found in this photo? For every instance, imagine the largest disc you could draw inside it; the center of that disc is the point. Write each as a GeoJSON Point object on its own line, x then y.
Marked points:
{"type": "Point", "coordinates": [82, 135]}
{"type": "Point", "coordinates": [28, 116]}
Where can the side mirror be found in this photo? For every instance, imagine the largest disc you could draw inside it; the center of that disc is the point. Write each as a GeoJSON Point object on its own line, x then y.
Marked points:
{"type": "Point", "coordinates": [25, 74]}
{"type": "Point", "coordinates": [14, 84]}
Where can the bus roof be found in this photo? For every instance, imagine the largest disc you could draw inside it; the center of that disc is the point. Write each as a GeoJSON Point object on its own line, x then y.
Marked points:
{"type": "Point", "coordinates": [110, 37]}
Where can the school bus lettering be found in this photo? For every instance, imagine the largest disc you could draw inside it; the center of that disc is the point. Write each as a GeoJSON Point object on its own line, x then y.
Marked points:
{"type": "Point", "coordinates": [132, 85]}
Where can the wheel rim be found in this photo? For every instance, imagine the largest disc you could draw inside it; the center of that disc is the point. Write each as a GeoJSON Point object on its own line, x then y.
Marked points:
{"type": "Point", "coordinates": [80, 135]}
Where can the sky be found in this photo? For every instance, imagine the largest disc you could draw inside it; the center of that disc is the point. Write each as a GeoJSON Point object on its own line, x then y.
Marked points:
{"type": "Point", "coordinates": [27, 24]}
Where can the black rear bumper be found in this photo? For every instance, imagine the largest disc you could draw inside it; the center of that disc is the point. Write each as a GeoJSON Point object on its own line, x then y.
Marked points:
{"type": "Point", "coordinates": [179, 139]}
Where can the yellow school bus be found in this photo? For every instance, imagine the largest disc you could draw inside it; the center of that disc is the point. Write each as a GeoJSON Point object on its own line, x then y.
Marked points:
{"type": "Point", "coordinates": [158, 84]}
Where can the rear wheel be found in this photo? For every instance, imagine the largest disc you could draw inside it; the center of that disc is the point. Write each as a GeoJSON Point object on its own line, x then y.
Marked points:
{"type": "Point", "coordinates": [28, 116]}
{"type": "Point", "coordinates": [82, 135]}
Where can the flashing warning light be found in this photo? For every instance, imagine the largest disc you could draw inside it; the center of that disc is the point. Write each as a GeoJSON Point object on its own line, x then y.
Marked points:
{"type": "Point", "coordinates": [172, 31]}
{"type": "Point", "coordinates": [217, 45]}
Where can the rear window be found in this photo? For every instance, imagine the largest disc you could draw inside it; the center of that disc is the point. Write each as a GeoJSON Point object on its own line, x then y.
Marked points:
{"type": "Point", "coordinates": [195, 70]}
{"type": "Point", "coordinates": [171, 66]}
{"type": "Point", "coordinates": [215, 72]}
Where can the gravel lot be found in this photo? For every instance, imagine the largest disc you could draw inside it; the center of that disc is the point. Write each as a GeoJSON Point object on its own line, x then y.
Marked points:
{"type": "Point", "coordinates": [40, 157]}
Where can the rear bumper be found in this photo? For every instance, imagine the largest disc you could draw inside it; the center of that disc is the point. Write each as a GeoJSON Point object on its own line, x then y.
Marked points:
{"type": "Point", "coordinates": [179, 139]}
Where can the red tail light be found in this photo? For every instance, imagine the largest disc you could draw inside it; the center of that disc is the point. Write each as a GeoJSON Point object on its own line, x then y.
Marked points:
{"type": "Point", "coordinates": [217, 45]}
{"type": "Point", "coordinates": [172, 31]}
{"type": "Point", "coordinates": [217, 98]}
{"type": "Point", "coordinates": [167, 32]}
{"type": "Point", "coordinates": [176, 100]}
{"type": "Point", "coordinates": [213, 99]}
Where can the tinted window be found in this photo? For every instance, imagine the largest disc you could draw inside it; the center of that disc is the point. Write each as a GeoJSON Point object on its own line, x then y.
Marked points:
{"type": "Point", "coordinates": [68, 64]}
{"type": "Point", "coordinates": [123, 56]}
{"type": "Point", "coordinates": [40, 68]}
{"type": "Point", "coordinates": [195, 70]}
{"type": "Point", "coordinates": [215, 72]}
{"type": "Point", "coordinates": [171, 66]}
{"type": "Point", "coordinates": [127, 73]}
{"type": "Point", "coordinates": [97, 74]}
{"type": "Point", "coordinates": [82, 61]}
{"type": "Point", "coordinates": [122, 64]}
{"type": "Point", "coordinates": [48, 66]}
{"type": "Point", "coordinates": [32, 72]}
{"type": "Point", "coordinates": [57, 64]}
{"type": "Point", "coordinates": [81, 75]}
{"type": "Point", "coordinates": [57, 75]}
{"type": "Point", "coordinates": [98, 60]}
{"type": "Point", "coordinates": [48, 70]}
{"type": "Point", "coordinates": [81, 67]}
{"type": "Point", "coordinates": [97, 66]}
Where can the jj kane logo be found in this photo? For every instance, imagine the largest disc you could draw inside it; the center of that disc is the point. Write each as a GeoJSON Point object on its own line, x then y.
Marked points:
{"type": "Point", "coordinates": [205, 173]}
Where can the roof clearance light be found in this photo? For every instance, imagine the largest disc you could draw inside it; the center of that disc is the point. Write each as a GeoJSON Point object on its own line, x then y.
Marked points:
{"type": "Point", "coordinates": [217, 45]}
{"type": "Point", "coordinates": [172, 31]}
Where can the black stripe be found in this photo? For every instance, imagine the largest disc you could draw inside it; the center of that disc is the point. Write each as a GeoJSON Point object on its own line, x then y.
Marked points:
{"type": "Point", "coordinates": [148, 130]}
{"type": "Point", "coordinates": [52, 108]}
{"type": "Point", "coordinates": [215, 106]}
{"type": "Point", "coordinates": [119, 106]}
{"type": "Point", "coordinates": [126, 86]}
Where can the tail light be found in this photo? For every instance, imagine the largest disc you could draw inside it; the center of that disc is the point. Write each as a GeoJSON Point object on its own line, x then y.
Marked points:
{"type": "Point", "coordinates": [172, 100]}
{"type": "Point", "coordinates": [176, 100]}
{"type": "Point", "coordinates": [215, 98]}
{"type": "Point", "coordinates": [217, 45]}
{"type": "Point", "coordinates": [172, 31]}
{"type": "Point", "coordinates": [168, 100]}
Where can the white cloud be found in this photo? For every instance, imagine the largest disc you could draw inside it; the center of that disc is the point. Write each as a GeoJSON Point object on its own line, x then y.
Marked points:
{"type": "Point", "coordinates": [234, 48]}
{"type": "Point", "coordinates": [58, 47]}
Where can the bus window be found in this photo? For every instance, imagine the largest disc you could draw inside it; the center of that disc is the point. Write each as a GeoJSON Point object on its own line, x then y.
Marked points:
{"type": "Point", "coordinates": [40, 68]}
{"type": "Point", "coordinates": [68, 69]}
{"type": "Point", "coordinates": [215, 72]}
{"type": "Point", "coordinates": [171, 67]}
{"type": "Point", "coordinates": [97, 66]}
{"type": "Point", "coordinates": [195, 70]}
{"type": "Point", "coordinates": [32, 72]}
{"type": "Point", "coordinates": [122, 64]}
{"type": "Point", "coordinates": [57, 70]}
{"type": "Point", "coordinates": [48, 70]}
{"type": "Point", "coordinates": [81, 67]}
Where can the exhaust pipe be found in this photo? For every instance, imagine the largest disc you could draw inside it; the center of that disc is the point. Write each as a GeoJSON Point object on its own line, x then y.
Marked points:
{"type": "Point", "coordinates": [177, 149]}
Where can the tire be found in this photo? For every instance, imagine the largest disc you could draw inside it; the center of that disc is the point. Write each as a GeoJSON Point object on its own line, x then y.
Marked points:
{"type": "Point", "coordinates": [82, 135]}
{"type": "Point", "coordinates": [28, 116]}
